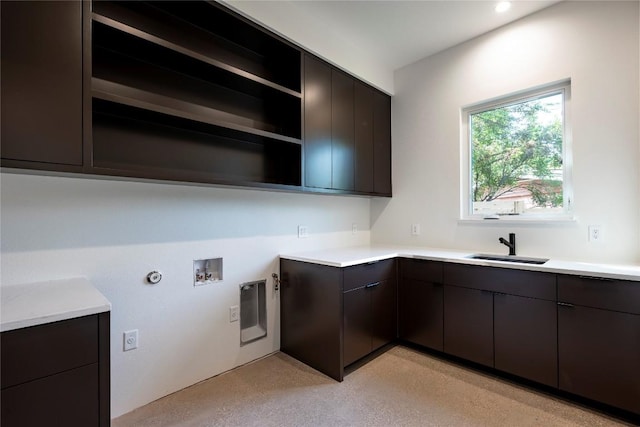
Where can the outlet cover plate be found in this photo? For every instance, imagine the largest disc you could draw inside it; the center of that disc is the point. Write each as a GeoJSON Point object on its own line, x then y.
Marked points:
{"type": "Point", "coordinates": [130, 340]}
{"type": "Point", "coordinates": [595, 233]}
{"type": "Point", "coordinates": [234, 313]}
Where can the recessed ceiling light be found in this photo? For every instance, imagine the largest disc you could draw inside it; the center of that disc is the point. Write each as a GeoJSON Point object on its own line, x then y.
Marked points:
{"type": "Point", "coordinates": [503, 6]}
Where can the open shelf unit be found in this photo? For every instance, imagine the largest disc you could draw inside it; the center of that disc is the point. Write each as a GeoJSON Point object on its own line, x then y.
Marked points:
{"type": "Point", "coordinates": [193, 93]}
{"type": "Point", "coordinates": [147, 144]}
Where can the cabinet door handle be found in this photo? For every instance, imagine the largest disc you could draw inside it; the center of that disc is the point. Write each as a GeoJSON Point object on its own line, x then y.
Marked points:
{"type": "Point", "coordinates": [602, 279]}
{"type": "Point", "coordinates": [373, 262]}
{"type": "Point", "coordinates": [372, 285]}
{"type": "Point", "coordinates": [564, 304]}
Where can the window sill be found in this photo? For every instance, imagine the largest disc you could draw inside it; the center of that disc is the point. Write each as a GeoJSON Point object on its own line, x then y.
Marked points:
{"type": "Point", "coordinates": [511, 221]}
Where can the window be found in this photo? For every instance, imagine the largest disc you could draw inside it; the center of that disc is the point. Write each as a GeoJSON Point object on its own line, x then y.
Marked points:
{"type": "Point", "coordinates": [517, 156]}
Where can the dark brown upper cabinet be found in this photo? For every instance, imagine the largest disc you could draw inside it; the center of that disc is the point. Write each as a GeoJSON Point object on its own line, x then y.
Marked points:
{"type": "Point", "coordinates": [329, 129]}
{"type": "Point", "coordinates": [373, 141]}
{"type": "Point", "coordinates": [364, 138]}
{"type": "Point", "coordinates": [42, 84]}
{"type": "Point", "coordinates": [179, 91]}
{"type": "Point", "coordinates": [317, 123]}
{"type": "Point", "coordinates": [347, 139]}
{"type": "Point", "coordinates": [342, 131]}
{"type": "Point", "coordinates": [192, 92]}
{"type": "Point", "coordinates": [381, 144]}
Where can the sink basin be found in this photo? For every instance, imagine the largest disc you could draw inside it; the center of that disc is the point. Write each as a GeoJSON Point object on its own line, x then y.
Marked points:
{"type": "Point", "coordinates": [509, 258]}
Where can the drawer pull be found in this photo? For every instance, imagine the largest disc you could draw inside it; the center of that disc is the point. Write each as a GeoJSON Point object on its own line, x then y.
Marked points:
{"type": "Point", "coordinates": [602, 279]}
{"type": "Point", "coordinates": [372, 285]}
{"type": "Point", "coordinates": [564, 304]}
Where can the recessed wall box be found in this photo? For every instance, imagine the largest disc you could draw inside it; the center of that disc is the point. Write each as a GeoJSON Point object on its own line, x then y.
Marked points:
{"type": "Point", "coordinates": [207, 271]}
{"type": "Point", "coordinates": [253, 311]}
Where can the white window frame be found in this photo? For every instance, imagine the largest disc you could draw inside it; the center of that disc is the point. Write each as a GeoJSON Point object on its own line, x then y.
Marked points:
{"type": "Point", "coordinates": [466, 196]}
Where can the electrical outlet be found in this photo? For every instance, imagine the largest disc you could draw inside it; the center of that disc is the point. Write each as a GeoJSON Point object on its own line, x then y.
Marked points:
{"type": "Point", "coordinates": [415, 229]}
{"type": "Point", "coordinates": [354, 228]}
{"type": "Point", "coordinates": [595, 233]}
{"type": "Point", "coordinates": [303, 232]}
{"type": "Point", "coordinates": [234, 313]}
{"type": "Point", "coordinates": [130, 340]}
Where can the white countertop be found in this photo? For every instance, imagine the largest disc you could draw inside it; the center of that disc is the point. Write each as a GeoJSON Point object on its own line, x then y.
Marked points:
{"type": "Point", "coordinates": [34, 304]}
{"type": "Point", "coordinates": [345, 257]}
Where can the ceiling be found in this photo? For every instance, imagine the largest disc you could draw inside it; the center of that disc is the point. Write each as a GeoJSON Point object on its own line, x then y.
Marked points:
{"type": "Point", "coordinates": [399, 32]}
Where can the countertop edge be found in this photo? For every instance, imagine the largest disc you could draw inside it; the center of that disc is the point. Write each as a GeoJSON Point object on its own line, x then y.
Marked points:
{"type": "Point", "coordinates": [33, 304]}
{"type": "Point", "coordinates": [347, 257]}
{"type": "Point", "coordinates": [57, 317]}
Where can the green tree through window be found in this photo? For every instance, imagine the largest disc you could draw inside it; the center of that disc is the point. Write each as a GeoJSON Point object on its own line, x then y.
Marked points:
{"type": "Point", "coordinates": [517, 156]}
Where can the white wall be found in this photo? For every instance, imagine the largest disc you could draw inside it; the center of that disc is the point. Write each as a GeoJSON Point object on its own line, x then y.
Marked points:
{"type": "Point", "coordinates": [114, 233]}
{"type": "Point", "coordinates": [294, 23]}
{"type": "Point", "coordinates": [593, 43]}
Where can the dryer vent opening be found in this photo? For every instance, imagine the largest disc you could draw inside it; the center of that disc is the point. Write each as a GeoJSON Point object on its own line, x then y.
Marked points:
{"type": "Point", "coordinates": [253, 311]}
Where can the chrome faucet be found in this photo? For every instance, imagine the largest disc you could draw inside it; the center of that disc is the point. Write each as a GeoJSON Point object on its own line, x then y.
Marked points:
{"type": "Point", "coordinates": [511, 244]}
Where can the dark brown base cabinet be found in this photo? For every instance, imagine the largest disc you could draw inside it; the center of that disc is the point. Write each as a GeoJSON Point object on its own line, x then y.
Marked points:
{"type": "Point", "coordinates": [525, 338]}
{"type": "Point", "coordinates": [502, 318]}
{"type": "Point", "coordinates": [331, 317]}
{"type": "Point", "coordinates": [420, 296]}
{"type": "Point", "coordinates": [579, 335]}
{"type": "Point", "coordinates": [468, 324]}
{"type": "Point", "coordinates": [599, 340]}
{"type": "Point", "coordinates": [369, 313]}
{"type": "Point", "coordinates": [57, 374]}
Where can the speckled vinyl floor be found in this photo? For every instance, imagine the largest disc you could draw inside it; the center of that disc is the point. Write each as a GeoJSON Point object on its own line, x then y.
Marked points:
{"type": "Point", "coordinates": [402, 387]}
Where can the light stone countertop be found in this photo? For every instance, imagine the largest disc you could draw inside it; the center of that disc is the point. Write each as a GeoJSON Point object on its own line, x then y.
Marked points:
{"type": "Point", "coordinates": [34, 304]}
{"type": "Point", "coordinates": [345, 257]}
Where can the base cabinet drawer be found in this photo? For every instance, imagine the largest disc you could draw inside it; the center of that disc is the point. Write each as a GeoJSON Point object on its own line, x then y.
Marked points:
{"type": "Point", "coordinates": [68, 399]}
{"type": "Point", "coordinates": [38, 351]}
{"type": "Point", "coordinates": [57, 374]}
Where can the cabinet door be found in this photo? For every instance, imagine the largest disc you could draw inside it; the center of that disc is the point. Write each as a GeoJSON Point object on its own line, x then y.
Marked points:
{"type": "Point", "coordinates": [421, 313]}
{"type": "Point", "coordinates": [468, 324]}
{"type": "Point", "coordinates": [364, 138]}
{"type": "Point", "coordinates": [599, 355]}
{"type": "Point", "coordinates": [68, 399]}
{"type": "Point", "coordinates": [317, 123]}
{"type": "Point", "coordinates": [384, 313]}
{"type": "Point", "coordinates": [311, 308]}
{"type": "Point", "coordinates": [381, 144]}
{"type": "Point", "coordinates": [342, 131]}
{"type": "Point", "coordinates": [42, 81]}
{"type": "Point", "coordinates": [525, 338]}
{"type": "Point", "coordinates": [357, 324]}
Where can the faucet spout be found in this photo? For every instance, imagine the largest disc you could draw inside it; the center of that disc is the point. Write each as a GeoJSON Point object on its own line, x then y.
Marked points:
{"type": "Point", "coordinates": [511, 244]}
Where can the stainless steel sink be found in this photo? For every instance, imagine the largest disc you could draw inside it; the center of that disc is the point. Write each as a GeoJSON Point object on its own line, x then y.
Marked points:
{"type": "Point", "coordinates": [509, 258]}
